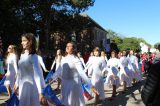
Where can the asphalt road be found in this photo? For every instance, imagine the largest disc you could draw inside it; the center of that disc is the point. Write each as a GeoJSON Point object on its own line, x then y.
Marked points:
{"type": "Point", "coordinates": [131, 98]}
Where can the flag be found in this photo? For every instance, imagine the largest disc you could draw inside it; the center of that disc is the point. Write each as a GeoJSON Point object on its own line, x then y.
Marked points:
{"type": "Point", "coordinates": [85, 90]}
{"type": "Point", "coordinates": [2, 87]}
{"type": "Point", "coordinates": [50, 95]}
{"type": "Point", "coordinates": [49, 76]}
{"type": "Point", "coordinates": [13, 101]}
{"type": "Point", "coordinates": [2, 81]}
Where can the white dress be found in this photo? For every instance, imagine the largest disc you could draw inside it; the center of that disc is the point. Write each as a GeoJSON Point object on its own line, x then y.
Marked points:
{"type": "Point", "coordinates": [135, 65]}
{"type": "Point", "coordinates": [90, 70]}
{"type": "Point", "coordinates": [82, 60]}
{"type": "Point", "coordinates": [71, 71]}
{"type": "Point", "coordinates": [113, 72]}
{"type": "Point", "coordinates": [28, 88]}
{"type": "Point", "coordinates": [56, 62]}
{"type": "Point", "coordinates": [97, 66]}
{"type": "Point", "coordinates": [126, 74]}
{"type": "Point", "coordinates": [11, 70]}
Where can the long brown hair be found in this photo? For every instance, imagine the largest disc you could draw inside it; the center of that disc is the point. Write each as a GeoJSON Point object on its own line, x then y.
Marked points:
{"type": "Point", "coordinates": [60, 54]}
{"type": "Point", "coordinates": [31, 42]}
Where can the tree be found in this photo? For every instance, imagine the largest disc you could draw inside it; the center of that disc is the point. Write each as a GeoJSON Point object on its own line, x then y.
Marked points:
{"type": "Point", "coordinates": [126, 43]}
{"type": "Point", "coordinates": [42, 17]}
{"type": "Point", "coordinates": [156, 45]}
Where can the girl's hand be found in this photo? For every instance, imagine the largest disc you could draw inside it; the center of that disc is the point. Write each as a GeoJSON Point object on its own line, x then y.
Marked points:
{"type": "Point", "coordinates": [15, 88]}
{"type": "Point", "coordinates": [43, 100]}
{"type": "Point", "coordinates": [93, 89]}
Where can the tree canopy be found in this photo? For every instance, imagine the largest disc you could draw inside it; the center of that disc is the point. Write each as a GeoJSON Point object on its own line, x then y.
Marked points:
{"type": "Point", "coordinates": [41, 17]}
{"type": "Point", "coordinates": [126, 43]}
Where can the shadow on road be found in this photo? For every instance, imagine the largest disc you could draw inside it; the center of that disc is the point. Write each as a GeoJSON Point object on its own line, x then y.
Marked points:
{"type": "Point", "coordinates": [129, 98]}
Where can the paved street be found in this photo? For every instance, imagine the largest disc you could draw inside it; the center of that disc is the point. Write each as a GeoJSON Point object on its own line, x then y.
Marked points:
{"type": "Point", "coordinates": [131, 98]}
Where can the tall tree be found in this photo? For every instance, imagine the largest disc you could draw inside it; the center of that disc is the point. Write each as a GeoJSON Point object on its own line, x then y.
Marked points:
{"type": "Point", "coordinates": [39, 16]}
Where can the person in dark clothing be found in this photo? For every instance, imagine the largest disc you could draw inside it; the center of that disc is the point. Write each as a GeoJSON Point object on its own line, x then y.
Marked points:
{"type": "Point", "coordinates": [151, 92]}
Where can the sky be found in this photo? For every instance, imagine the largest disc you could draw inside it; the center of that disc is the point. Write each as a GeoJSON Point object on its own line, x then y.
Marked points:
{"type": "Point", "coordinates": [130, 18]}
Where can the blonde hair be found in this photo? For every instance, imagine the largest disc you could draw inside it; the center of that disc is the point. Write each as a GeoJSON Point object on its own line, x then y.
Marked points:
{"type": "Point", "coordinates": [14, 49]}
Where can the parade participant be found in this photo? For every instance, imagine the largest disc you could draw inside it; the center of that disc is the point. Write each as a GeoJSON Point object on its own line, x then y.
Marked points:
{"type": "Point", "coordinates": [125, 75]}
{"type": "Point", "coordinates": [103, 55]}
{"type": "Point", "coordinates": [81, 58]}
{"type": "Point", "coordinates": [97, 66]}
{"type": "Point", "coordinates": [136, 76]}
{"type": "Point", "coordinates": [120, 54]}
{"type": "Point", "coordinates": [28, 67]}
{"type": "Point", "coordinates": [12, 69]}
{"type": "Point", "coordinates": [56, 64]}
{"type": "Point", "coordinates": [89, 71]}
{"type": "Point", "coordinates": [70, 70]}
{"type": "Point", "coordinates": [113, 80]}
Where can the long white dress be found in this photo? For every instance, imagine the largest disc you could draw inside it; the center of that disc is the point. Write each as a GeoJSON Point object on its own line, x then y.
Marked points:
{"type": "Point", "coordinates": [113, 72]}
{"type": "Point", "coordinates": [82, 60]}
{"type": "Point", "coordinates": [71, 71]}
{"type": "Point", "coordinates": [56, 62]}
{"type": "Point", "coordinates": [135, 65]}
{"type": "Point", "coordinates": [28, 88]}
{"type": "Point", "coordinates": [126, 74]}
{"type": "Point", "coordinates": [97, 66]}
{"type": "Point", "coordinates": [89, 69]}
{"type": "Point", "coordinates": [11, 70]}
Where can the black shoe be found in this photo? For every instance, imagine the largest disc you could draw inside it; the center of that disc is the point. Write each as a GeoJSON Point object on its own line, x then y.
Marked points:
{"type": "Point", "coordinates": [6, 101]}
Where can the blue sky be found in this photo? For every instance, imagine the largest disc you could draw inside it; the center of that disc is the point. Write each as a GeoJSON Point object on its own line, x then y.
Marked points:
{"type": "Point", "coordinates": [131, 18]}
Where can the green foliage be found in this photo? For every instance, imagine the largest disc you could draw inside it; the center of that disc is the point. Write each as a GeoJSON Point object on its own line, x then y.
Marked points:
{"type": "Point", "coordinates": [156, 45]}
{"type": "Point", "coordinates": [41, 17]}
{"type": "Point", "coordinates": [130, 44]}
{"type": "Point", "coordinates": [126, 43]}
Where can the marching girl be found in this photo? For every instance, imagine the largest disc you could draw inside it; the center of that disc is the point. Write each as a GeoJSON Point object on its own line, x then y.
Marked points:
{"type": "Point", "coordinates": [104, 57]}
{"type": "Point", "coordinates": [56, 64]}
{"type": "Point", "coordinates": [135, 70]}
{"type": "Point", "coordinates": [113, 66]}
{"type": "Point", "coordinates": [81, 58]}
{"type": "Point", "coordinates": [71, 71]}
{"type": "Point", "coordinates": [97, 66]}
{"type": "Point", "coordinates": [125, 75]}
{"type": "Point", "coordinates": [89, 71]}
{"type": "Point", "coordinates": [12, 69]}
{"type": "Point", "coordinates": [30, 91]}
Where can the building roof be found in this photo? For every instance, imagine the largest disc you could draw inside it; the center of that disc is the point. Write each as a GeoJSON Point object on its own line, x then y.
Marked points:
{"type": "Point", "coordinates": [92, 22]}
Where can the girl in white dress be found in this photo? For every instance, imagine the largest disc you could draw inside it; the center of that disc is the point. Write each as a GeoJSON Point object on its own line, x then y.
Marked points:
{"type": "Point", "coordinates": [113, 66]}
{"type": "Point", "coordinates": [104, 57]}
{"type": "Point", "coordinates": [71, 71]}
{"type": "Point", "coordinates": [11, 61]}
{"type": "Point", "coordinates": [89, 70]}
{"type": "Point", "coordinates": [28, 67]}
{"type": "Point", "coordinates": [81, 58]}
{"type": "Point", "coordinates": [136, 76]}
{"type": "Point", "coordinates": [57, 62]}
{"type": "Point", "coordinates": [125, 75]}
{"type": "Point", "coordinates": [97, 66]}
